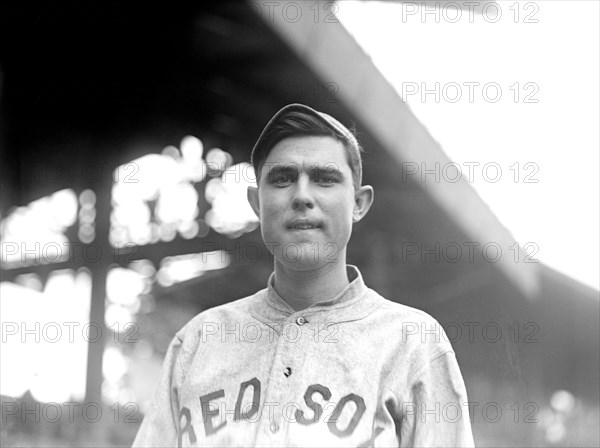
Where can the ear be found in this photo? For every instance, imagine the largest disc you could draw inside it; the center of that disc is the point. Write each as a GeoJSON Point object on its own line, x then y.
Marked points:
{"type": "Point", "coordinates": [363, 198]}
{"type": "Point", "coordinates": [252, 194]}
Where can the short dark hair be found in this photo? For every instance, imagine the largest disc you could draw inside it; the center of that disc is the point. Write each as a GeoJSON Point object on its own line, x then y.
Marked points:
{"type": "Point", "coordinates": [298, 123]}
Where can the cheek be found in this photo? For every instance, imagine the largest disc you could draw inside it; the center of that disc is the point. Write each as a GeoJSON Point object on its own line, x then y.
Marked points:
{"type": "Point", "coordinates": [270, 211]}
{"type": "Point", "coordinates": [270, 215]}
{"type": "Point", "coordinates": [342, 217]}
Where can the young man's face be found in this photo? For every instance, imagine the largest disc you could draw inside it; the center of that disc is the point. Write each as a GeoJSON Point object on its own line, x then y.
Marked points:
{"type": "Point", "coordinates": [307, 202]}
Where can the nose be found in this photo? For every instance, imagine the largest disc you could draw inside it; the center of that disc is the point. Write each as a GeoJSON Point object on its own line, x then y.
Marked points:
{"type": "Point", "coordinates": [302, 194]}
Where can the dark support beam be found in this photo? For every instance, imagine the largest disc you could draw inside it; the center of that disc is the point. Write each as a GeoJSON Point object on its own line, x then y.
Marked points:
{"type": "Point", "coordinates": [99, 271]}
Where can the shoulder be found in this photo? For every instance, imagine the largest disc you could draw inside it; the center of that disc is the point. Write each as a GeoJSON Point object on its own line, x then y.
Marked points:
{"type": "Point", "coordinates": [416, 330]}
{"type": "Point", "coordinates": [400, 313]}
{"type": "Point", "coordinates": [209, 322]}
{"type": "Point", "coordinates": [235, 311]}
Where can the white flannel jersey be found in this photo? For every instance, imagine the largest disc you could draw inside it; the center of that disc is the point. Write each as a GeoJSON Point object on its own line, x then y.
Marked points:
{"type": "Point", "coordinates": [354, 371]}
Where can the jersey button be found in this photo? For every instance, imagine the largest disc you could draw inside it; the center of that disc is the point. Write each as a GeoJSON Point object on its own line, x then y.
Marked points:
{"type": "Point", "coordinates": [301, 320]}
{"type": "Point", "coordinates": [287, 371]}
{"type": "Point", "coordinates": [274, 427]}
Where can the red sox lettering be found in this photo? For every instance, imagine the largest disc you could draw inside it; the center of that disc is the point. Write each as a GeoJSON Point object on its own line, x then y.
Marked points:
{"type": "Point", "coordinates": [214, 422]}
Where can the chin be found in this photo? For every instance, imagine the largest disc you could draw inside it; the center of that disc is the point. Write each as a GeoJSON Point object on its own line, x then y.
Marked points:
{"type": "Point", "coordinates": [307, 255]}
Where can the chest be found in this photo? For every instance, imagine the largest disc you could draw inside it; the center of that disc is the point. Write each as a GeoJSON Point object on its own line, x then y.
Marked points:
{"type": "Point", "coordinates": [285, 384]}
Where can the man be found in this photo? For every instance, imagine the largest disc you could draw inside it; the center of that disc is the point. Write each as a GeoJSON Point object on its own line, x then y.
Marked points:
{"type": "Point", "coordinates": [316, 358]}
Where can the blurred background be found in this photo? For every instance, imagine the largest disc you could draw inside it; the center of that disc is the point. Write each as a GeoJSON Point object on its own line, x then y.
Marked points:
{"type": "Point", "coordinates": [125, 137]}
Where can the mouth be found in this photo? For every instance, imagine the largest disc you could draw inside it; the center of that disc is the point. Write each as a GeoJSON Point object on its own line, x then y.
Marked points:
{"type": "Point", "coordinates": [304, 224]}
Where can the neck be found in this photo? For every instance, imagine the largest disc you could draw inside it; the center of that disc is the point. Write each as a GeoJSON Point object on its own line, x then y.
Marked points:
{"type": "Point", "coordinates": [301, 289]}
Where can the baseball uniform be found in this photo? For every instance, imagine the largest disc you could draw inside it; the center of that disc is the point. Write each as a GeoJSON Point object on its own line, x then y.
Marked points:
{"type": "Point", "coordinates": [355, 371]}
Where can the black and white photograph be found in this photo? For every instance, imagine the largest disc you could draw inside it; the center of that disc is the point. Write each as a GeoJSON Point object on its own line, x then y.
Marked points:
{"type": "Point", "coordinates": [303, 223]}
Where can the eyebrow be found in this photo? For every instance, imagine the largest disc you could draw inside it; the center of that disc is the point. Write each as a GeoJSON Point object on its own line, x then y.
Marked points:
{"type": "Point", "coordinates": [315, 170]}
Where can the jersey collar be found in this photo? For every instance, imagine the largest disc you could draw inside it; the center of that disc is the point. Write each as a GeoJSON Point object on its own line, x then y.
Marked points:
{"type": "Point", "coordinates": [353, 303]}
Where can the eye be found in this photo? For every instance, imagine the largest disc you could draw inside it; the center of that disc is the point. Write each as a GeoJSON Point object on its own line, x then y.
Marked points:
{"type": "Point", "coordinates": [326, 179]}
{"type": "Point", "coordinates": [282, 180]}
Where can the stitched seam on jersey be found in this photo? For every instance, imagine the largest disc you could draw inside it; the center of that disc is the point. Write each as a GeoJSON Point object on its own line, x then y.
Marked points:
{"type": "Point", "coordinates": [266, 323]}
{"type": "Point", "coordinates": [179, 358]}
{"type": "Point", "coordinates": [431, 361]}
{"type": "Point", "coordinates": [273, 303]}
{"type": "Point", "coordinates": [359, 316]}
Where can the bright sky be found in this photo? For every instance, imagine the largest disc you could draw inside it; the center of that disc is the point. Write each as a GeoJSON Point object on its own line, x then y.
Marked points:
{"type": "Point", "coordinates": [554, 61]}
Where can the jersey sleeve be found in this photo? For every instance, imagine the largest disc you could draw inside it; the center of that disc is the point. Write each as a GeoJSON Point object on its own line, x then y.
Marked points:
{"type": "Point", "coordinates": [437, 413]}
{"type": "Point", "coordinates": [160, 424]}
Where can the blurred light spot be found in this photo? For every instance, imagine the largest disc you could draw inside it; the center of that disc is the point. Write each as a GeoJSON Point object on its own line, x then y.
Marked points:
{"type": "Point", "coordinates": [117, 316]}
{"type": "Point", "coordinates": [546, 417]}
{"type": "Point", "coordinates": [35, 234]}
{"type": "Point", "coordinates": [562, 401]}
{"type": "Point", "coordinates": [167, 232]}
{"type": "Point", "coordinates": [218, 161]}
{"type": "Point", "coordinates": [193, 165]}
{"type": "Point", "coordinates": [45, 355]}
{"type": "Point", "coordinates": [87, 198]}
{"type": "Point", "coordinates": [141, 235]}
{"type": "Point", "coordinates": [64, 207]}
{"type": "Point", "coordinates": [231, 213]}
{"type": "Point", "coordinates": [86, 233]}
{"type": "Point", "coordinates": [114, 364]}
{"type": "Point", "coordinates": [185, 267]}
{"type": "Point", "coordinates": [213, 189]}
{"type": "Point", "coordinates": [189, 230]}
{"type": "Point", "coordinates": [31, 281]}
{"type": "Point", "coordinates": [142, 178]}
{"type": "Point", "coordinates": [50, 387]}
{"type": "Point", "coordinates": [555, 432]}
{"type": "Point", "coordinates": [171, 151]}
{"type": "Point", "coordinates": [191, 148]}
{"type": "Point", "coordinates": [110, 391]}
{"type": "Point", "coordinates": [123, 286]}
{"type": "Point", "coordinates": [164, 279]}
{"type": "Point", "coordinates": [143, 267]}
{"type": "Point", "coordinates": [87, 215]}
{"type": "Point", "coordinates": [177, 203]}
{"type": "Point", "coordinates": [117, 236]}
{"type": "Point", "coordinates": [133, 214]}
{"type": "Point", "coordinates": [154, 196]}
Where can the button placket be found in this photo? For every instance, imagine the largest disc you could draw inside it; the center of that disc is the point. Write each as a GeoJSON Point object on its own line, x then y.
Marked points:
{"type": "Point", "coordinates": [278, 388]}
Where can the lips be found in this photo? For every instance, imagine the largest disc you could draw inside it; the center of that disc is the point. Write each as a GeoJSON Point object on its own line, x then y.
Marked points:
{"type": "Point", "coordinates": [304, 224]}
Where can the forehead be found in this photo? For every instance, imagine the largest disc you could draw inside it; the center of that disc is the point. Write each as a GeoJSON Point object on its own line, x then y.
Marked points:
{"type": "Point", "coordinates": [308, 150]}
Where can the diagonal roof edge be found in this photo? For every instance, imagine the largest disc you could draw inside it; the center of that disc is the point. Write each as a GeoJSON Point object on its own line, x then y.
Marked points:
{"type": "Point", "coordinates": [333, 54]}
